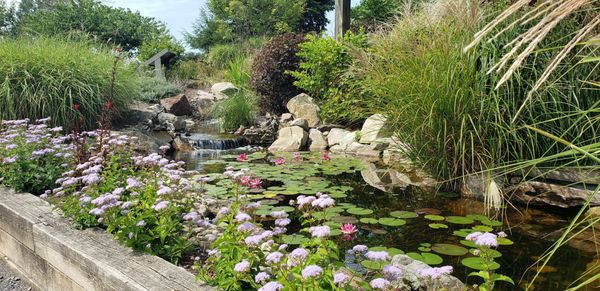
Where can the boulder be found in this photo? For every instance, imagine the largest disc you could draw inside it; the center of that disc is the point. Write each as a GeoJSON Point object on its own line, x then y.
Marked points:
{"type": "Point", "coordinates": [367, 152]}
{"type": "Point", "coordinates": [317, 141]}
{"type": "Point", "coordinates": [411, 280]}
{"type": "Point", "coordinates": [372, 128]}
{"type": "Point", "coordinates": [290, 139]}
{"type": "Point", "coordinates": [223, 90]}
{"type": "Point", "coordinates": [339, 139]}
{"type": "Point", "coordinates": [182, 145]}
{"type": "Point", "coordinates": [303, 106]}
{"type": "Point", "coordinates": [178, 105]}
{"type": "Point", "coordinates": [202, 103]}
{"type": "Point", "coordinates": [285, 118]}
{"type": "Point", "coordinates": [327, 127]}
{"type": "Point", "coordinates": [537, 193]}
{"type": "Point", "coordinates": [300, 122]}
{"type": "Point", "coordinates": [170, 122]}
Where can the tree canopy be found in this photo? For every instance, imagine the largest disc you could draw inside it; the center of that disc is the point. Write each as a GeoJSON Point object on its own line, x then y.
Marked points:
{"type": "Point", "coordinates": [115, 26]}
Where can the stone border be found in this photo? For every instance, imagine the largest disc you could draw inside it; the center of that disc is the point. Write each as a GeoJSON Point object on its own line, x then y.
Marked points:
{"type": "Point", "coordinates": [40, 244]}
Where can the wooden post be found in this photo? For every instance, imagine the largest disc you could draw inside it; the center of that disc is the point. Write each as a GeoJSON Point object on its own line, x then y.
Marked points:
{"type": "Point", "coordinates": [158, 69]}
{"type": "Point", "coordinates": [342, 18]}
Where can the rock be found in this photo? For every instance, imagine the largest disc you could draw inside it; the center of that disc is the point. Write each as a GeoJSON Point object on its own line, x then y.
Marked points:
{"type": "Point", "coordinates": [162, 137]}
{"type": "Point", "coordinates": [412, 281]}
{"type": "Point", "coordinates": [223, 90]}
{"type": "Point", "coordinates": [143, 142]}
{"type": "Point", "coordinates": [285, 118]}
{"type": "Point", "coordinates": [393, 157]}
{"type": "Point", "coordinates": [300, 122]}
{"type": "Point", "coordinates": [317, 141]}
{"type": "Point", "coordinates": [201, 102]}
{"type": "Point", "coordinates": [340, 139]}
{"type": "Point", "coordinates": [178, 105]}
{"type": "Point", "coordinates": [189, 123]}
{"type": "Point", "coordinates": [289, 139]}
{"type": "Point", "coordinates": [327, 127]}
{"type": "Point", "coordinates": [536, 193]}
{"type": "Point", "coordinates": [303, 106]}
{"type": "Point", "coordinates": [372, 128]}
{"type": "Point", "coordinates": [265, 133]}
{"type": "Point", "coordinates": [170, 122]}
{"type": "Point", "coordinates": [364, 151]}
{"type": "Point", "coordinates": [182, 145]}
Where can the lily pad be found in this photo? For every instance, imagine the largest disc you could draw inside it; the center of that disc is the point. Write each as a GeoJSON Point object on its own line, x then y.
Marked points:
{"type": "Point", "coordinates": [372, 265]}
{"type": "Point", "coordinates": [468, 243]}
{"type": "Point", "coordinates": [390, 221]}
{"type": "Point", "coordinates": [424, 249]}
{"type": "Point", "coordinates": [449, 249]}
{"type": "Point", "coordinates": [434, 217]}
{"type": "Point", "coordinates": [345, 219]}
{"type": "Point", "coordinates": [427, 258]}
{"type": "Point", "coordinates": [459, 220]}
{"type": "Point", "coordinates": [294, 239]}
{"type": "Point", "coordinates": [504, 241]}
{"type": "Point", "coordinates": [477, 263]}
{"type": "Point", "coordinates": [359, 211]}
{"type": "Point", "coordinates": [483, 228]}
{"type": "Point", "coordinates": [478, 217]}
{"type": "Point", "coordinates": [437, 225]}
{"type": "Point", "coordinates": [369, 220]}
{"type": "Point", "coordinates": [378, 249]}
{"type": "Point", "coordinates": [403, 214]}
{"type": "Point", "coordinates": [489, 222]}
{"type": "Point", "coordinates": [394, 251]}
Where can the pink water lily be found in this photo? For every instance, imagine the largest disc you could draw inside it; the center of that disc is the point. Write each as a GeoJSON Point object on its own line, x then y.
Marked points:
{"type": "Point", "coordinates": [242, 157]}
{"type": "Point", "coordinates": [255, 183]}
{"type": "Point", "coordinates": [348, 228]}
{"type": "Point", "coordinates": [326, 156]}
{"type": "Point", "coordinates": [297, 157]}
{"type": "Point", "coordinates": [279, 161]}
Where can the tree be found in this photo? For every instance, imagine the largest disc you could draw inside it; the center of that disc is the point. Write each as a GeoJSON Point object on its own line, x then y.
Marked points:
{"type": "Point", "coordinates": [314, 17]}
{"type": "Point", "coordinates": [116, 26]}
{"type": "Point", "coordinates": [7, 18]}
{"type": "Point", "coordinates": [233, 20]}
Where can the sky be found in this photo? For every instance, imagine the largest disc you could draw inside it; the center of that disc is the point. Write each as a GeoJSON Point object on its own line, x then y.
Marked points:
{"type": "Point", "coordinates": [179, 15]}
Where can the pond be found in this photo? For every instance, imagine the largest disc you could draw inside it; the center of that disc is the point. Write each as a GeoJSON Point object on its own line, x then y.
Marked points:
{"type": "Point", "coordinates": [426, 225]}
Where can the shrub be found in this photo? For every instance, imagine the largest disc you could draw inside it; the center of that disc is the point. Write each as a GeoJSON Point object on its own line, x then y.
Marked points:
{"type": "Point", "coordinates": [235, 111]}
{"type": "Point", "coordinates": [186, 70]}
{"type": "Point", "coordinates": [32, 155]}
{"type": "Point", "coordinates": [45, 76]}
{"type": "Point", "coordinates": [153, 89]}
{"type": "Point", "coordinates": [323, 73]}
{"type": "Point", "coordinates": [139, 199]}
{"type": "Point", "coordinates": [269, 77]}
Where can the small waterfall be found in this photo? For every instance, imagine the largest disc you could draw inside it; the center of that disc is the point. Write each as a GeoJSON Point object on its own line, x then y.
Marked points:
{"type": "Point", "coordinates": [215, 142]}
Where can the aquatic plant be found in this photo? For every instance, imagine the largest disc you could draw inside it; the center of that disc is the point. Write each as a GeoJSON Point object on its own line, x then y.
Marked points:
{"type": "Point", "coordinates": [484, 262]}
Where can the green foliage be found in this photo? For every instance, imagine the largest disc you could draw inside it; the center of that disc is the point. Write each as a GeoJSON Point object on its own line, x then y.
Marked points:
{"type": "Point", "coordinates": [152, 89]}
{"type": "Point", "coordinates": [314, 18]}
{"type": "Point", "coordinates": [269, 79]}
{"type": "Point", "coordinates": [189, 69]}
{"type": "Point", "coordinates": [152, 46]}
{"type": "Point", "coordinates": [440, 100]}
{"type": "Point", "coordinates": [137, 199]}
{"type": "Point", "coordinates": [237, 110]}
{"type": "Point", "coordinates": [221, 56]}
{"type": "Point", "coordinates": [229, 20]}
{"type": "Point", "coordinates": [33, 155]}
{"type": "Point", "coordinates": [239, 72]}
{"type": "Point", "coordinates": [323, 74]}
{"type": "Point", "coordinates": [89, 17]}
{"type": "Point", "coordinates": [46, 76]}
{"type": "Point", "coordinates": [7, 18]}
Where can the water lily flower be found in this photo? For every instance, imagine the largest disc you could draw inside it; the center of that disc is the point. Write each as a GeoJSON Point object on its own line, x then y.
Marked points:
{"type": "Point", "coordinates": [279, 161]}
{"type": "Point", "coordinates": [242, 157]}
{"type": "Point", "coordinates": [255, 183]}
{"type": "Point", "coordinates": [326, 156]}
{"type": "Point", "coordinates": [297, 157]}
{"type": "Point", "coordinates": [348, 228]}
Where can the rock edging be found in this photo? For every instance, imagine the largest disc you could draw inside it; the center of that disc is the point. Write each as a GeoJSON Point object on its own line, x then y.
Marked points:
{"type": "Point", "coordinates": [43, 247]}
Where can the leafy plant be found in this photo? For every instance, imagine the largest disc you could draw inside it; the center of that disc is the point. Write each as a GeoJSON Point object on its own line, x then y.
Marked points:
{"type": "Point", "coordinates": [32, 155]}
{"type": "Point", "coordinates": [46, 76]}
{"type": "Point", "coordinates": [269, 79]}
{"type": "Point", "coordinates": [235, 111]}
{"type": "Point", "coordinates": [153, 89]}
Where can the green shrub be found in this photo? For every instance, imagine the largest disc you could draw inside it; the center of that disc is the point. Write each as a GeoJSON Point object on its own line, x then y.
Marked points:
{"type": "Point", "coordinates": [155, 45]}
{"type": "Point", "coordinates": [153, 89]}
{"type": "Point", "coordinates": [239, 72]}
{"type": "Point", "coordinates": [187, 70]}
{"type": "Point", "coordinates": [220, 56]}
{"type": "Point", "coordinates": [44, 77]}
{"type": "Point", "coordinates": [235, 111]}
{"type": "Point", "coordinates": [32, 155]}
{"type": "Point", "coordinates": [269, 77]}
{"type": "Point", "coordinates": [323, 74]}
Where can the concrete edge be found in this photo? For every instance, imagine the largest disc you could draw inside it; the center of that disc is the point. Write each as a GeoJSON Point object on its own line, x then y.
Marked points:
{"type": "Point", "coordinates": [43, 247]}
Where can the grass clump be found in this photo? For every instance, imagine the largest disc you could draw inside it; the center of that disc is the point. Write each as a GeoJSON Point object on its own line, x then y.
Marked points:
{"type": "Point", "coordinates": [152, 89]}
{"type": "Point", "coordinates": [45, 76]}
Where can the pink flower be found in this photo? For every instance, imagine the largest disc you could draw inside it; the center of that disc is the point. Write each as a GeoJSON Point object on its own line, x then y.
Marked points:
{"type": "Point", "coordinates": [348, 228]}
{"type": "Point", "coordinates": [255, 183]}
{"type": "Point", "coordinates": [326, 156]}
{"type": "Point", "coordinates": [242, 157]}
{"type": "Point", "coordinates": [297, 157]}
{"type": "Point", "coordinates": [245, 181]}
{"type": "Point", "coordinates": [279, 161]}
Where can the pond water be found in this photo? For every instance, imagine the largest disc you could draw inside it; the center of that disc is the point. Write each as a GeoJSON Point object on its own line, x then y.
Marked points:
{"type": "Point", "coordinates": [414, 221]}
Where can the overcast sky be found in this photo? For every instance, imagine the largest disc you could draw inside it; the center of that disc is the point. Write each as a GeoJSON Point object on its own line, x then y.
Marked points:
{"type": "Point", "coordinates": [177, 14]}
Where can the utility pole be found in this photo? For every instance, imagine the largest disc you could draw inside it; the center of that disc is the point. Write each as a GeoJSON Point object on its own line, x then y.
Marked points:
{"type": "Point", "coordinates": [342, 18]}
